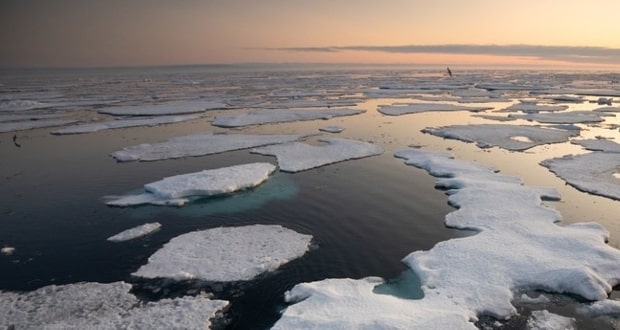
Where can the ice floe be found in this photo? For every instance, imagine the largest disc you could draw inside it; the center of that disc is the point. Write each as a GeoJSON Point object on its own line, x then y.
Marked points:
{"type": "Point", "coordinates": [121, 123]}
{"type": "Point", "coordinates": [226, 254]}
{"type": "Point", "coordinates": [179, 189]}
{"type": "Point", "coordinates": [199, 145]}
{"type": "Point", "coordinates": [332, 129]}
{"type": "Point", "coordinates": [21, 105]}
{"type": "Point", "coordinates": [32, 124]}
{"type": "Point", "coordinates": [135, 232]}
{"type": "Point", "coordinates": [592, 172]}
{"type": "Point", "coordinates": [299, 156]}
{"type": "Point", "coordinates": [544, 320]}
{"type": "Point", "coordinates": [569, 117]}
{"type": "Point", "coordinates": [607, 109]}
{"type": "Point", "coordinates": [7, 250]}
{"type": "Point", "coordinates": [530, 107]}
{"type": "Point", "coordinates": [471, 276]}
{"type": "Point", "coordinates": [511, 137]}
{"type": "Point", "coordinates": [602, 308]}
{"type": "Point", "coordinates": [176, 108]}
{"type": "Point", "coordinates": [266, 116]}
{"type": "Point", "coordinates": [102, 306]}
{"type": "Point", "coordinates": [598, 145]}
{"type": "Point", "coordinates": [26, 117]}
{"type": "Point", "coordinates": [402, 109]}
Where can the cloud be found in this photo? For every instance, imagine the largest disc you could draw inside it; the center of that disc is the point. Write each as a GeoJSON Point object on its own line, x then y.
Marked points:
{"type": "Point", "coordinates": [562, 53]}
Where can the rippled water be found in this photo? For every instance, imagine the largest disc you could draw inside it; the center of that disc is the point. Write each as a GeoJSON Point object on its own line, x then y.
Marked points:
{"type": "Point", "coordinates": [365, 215]}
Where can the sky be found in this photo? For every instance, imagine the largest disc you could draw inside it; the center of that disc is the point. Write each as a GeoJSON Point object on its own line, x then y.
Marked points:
{"type": "Point", "coordinates": [93, 33]}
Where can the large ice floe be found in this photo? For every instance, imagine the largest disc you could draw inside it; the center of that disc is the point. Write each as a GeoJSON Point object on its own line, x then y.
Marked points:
{"type": "Point", "coordinates": [530, 107]}
{"type": "Point", "coordinates": [32, 124]}
{"type": "Point", "coordinates": [266, 116]}
{"type": "Point", "coordinates": [299, 156]}
{"type": "Point", "coordinates": [511, 137]}
{"type": "Point", "coordinates": [570, 117]}
{"type": "Point", "coordinates": [517, 247]}
{"type": "Point", "coordinates": [175, 108]}
{"type": "Point", "coordinates": [226, 254]}
{"type": "Point", "coordinates": [593, 172]}
{"type": "Point", "coordinates": [180, 189]}
{"type": "Point", "coordinates": [199, 145]}
{"type": "Point", "coordinates": [102, 306]}
{"type": "Point", "coordinates": [401, 109]}
{"type": "Point", "coordinates": [121, 123]}
{"type": "Point", "coordinates": [135, 232]}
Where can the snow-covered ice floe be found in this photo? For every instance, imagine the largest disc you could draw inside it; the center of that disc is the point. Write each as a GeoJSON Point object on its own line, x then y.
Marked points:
{"type": "Point", "coordinates": [175, 108]}
{"type": "Point", "coordinates": [401, 109]}
{"type": "Point", "coordinates": [135, 232]}
{"type": "Point", "coordinates": [544, 320]}
{"type": "Point", "coordinates": [199, 145]}
{"type": "Point", "coordinates": [32, 124]}
{"type": "Point", "coordinates": [180, 189]}
{"type": "Point", "coordinates": [598, 145]}
{"type": "Point", "coordinates": [517, 247]}
{"type": "Point", "coordinates": [570, 117]}
{"type": "Point", "coordinates": [226, 254]}
{"type": "Point", "coordinates": [121, 123]}
{"type": "Point", "coordinates": [266, 116]}
{"type": "Point", "coordinates": [332, 129]}
{"type": "Point", "coordinates": [102, 306]}
{"type": "Point", "coordinates": [299, 156]}
{"type": "Point", "coordinates": [529, 107]}
{"type": "Point", "coordinates": [511, 137]}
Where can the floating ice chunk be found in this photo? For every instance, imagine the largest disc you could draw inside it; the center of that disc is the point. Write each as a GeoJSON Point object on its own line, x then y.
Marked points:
{"type": "Point", "coordinates": [102, 306]}
{"type": "Point", "coordinates": [566, 98]}
{"type": "Point", "coordinates": [509, 87]}
{"type": "Point", "coordinates": [226, 253]}
{"type": "Point", "coordinates": [475, 275]}
{"type": "Point", "coordinates": [598, 145]}
{"type": "Point", "coordinates": [607, 109]}
{"type": "Point", "coordinates": [529, 107]}
{"type": "Point", "coordinates": [177, 190]}
{"type": "Point", "coordinates": [300, 103]}
{"type": "Point", "coordinates": [176, 108]}
{"type": "Point", "coordinates": [571, 117]}
{"type": "Point", "coordinates": [21, 105]}
{"type": "Point", "coordinates": [605, 100]}
{"type": "Point", "coordinates": [541, 299]}
{"type": "Point", "coordinates": [32, 124]}
{"type": "Point", "coordinates": [26, 117]}
{"type": "Point", "coordinates": [259, 117]}
{"type": "Point", "coordinates": [544, 320]}
{"type": "Point", "coordinates": [7, 250]}
{"type": "Point", "coordinates": [199, 145]}
{"type": "Point", "coordinates": [332, 129]}
{"type": "Point", "coordinates": [401, 109]}
{"type": "Point", "coordinates": [504, 136]}
{"type": "Point", "coordinates": [135, 232]}
{"type": "Point", "coordinates": [602, 308]}
{"type": "Point", "coordinates": [121, 123]}
{"type": "Point", "coordinates": [298, 156]}
{"type": "Point", "coordinates": [592, 172]}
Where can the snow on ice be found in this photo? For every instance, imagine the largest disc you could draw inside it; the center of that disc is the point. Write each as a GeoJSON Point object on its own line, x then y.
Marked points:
{"type": "Point", "coordinates": [102, 306]}
{"type": "Point", "coordinates": [298, 156]}
{"type": "Point", "coordinates": [544, 320]}
{"type": "Point", "coordinates": [176, 108]}
{"type": "Point", "coordinates": [571, 117]}
{"type": "Point", "coordinates": [199, 145]}
{"type": "Point", "coordinates": [121, 123]}
{"type": "Point", "coordinates": [266, 116]}
{"type": "Point", "coordinates": [180, 189]}
{"type": "Point", "coordinates": [401, 109]}
{"type": "Point", "coordinates": [135, 232]}
{"type": "Point", "coordinates": [509, 137]}
{"type": "Point", "coordinates": [476, 275]}
{"type": "Point", "coordinates": [226, 253]}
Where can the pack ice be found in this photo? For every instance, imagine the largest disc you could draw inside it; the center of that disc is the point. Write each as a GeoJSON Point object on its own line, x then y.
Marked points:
{"type": "Point", "coordinates": [199, 145]}
{"type": "Point", "coordinates": [517, 247]}
{"type": "Point", "coordinates": [299, 156]}
{"type": "Point", "coordinates": [102, 306]}
{"type": "Point", "coordinates": [226, 254]}
{"type": "Point", "coordinates": [174, 108]}
{"type": "Point", "coordinates": [401, 109]}
{"type": "Point", "coordinates": [180, 189]}
{"type": "Point", "coordinates": [266, 116]}
{"type": "Point", "coordinates": [121, 123]}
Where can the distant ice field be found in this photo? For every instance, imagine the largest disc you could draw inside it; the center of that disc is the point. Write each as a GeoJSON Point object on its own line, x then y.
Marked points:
{"type": "Point", "coordinates": [365, 210]}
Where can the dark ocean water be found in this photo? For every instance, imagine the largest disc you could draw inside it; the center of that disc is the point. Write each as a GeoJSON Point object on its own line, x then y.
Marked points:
{"type": "Point", "coordinates": [365, 215]}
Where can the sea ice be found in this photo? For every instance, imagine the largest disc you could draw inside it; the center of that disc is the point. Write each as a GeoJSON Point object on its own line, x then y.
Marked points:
{"type": "Point", "coordinates": [176, 108]}
{"type": "Point", "coordinates": [226, 253]}
{"type": "Point", "coordinates": [135, 232]}
{"type": "Point", "coordinates": [592, 172]}
{"type": "Point", "coordinates": [32, 124]}
{"type": "Point", "coordinates": [529, 107]}
{"type": "Point", "coordinates": [598, 145]}
{"type": "Point", "coordinates": [25, 117]}
{"type": "Point", "coordinates": [602, 308]}
{"type": "Point", "coordinates": [401, 109]}
{"type": "Point", "coordinates": [332, 129]}
{"type": "Point", "coordinates": [266, 116]}
{"type": "Point", "coordinates": [544, 320]}
{"type": "Point", "coordinates": [476, 275]}
{"type": "Point", "coordinates": [121, 123]}
{"type": "Point", "coordinates": [511, 137]}
{"type": "Point", "coordinates": [571, 117]}
{"type": "Point", "coordinates": [607, 109]}
{"type": "Point", "coordinates": [102, 306]}
{"type": "Point", "coordinates": [298, 156]}
{"type": "Point", "coordinates": [177, 190]}
{"type": "Point", "coordinates": [21, 105]}
{"type": "Point", "coordinates": [199, 145]}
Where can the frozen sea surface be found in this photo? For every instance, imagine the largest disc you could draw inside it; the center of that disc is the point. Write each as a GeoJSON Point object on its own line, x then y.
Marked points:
{"type": "Point", "coordinates": [280, 115]}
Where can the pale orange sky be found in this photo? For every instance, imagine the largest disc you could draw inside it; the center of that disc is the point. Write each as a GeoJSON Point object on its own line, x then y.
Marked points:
{"type": "Point", "coordinates": [160, 32]}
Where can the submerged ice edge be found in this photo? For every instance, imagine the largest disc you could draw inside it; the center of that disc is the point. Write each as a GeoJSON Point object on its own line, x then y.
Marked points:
{"type": "Point", "coordinates": [467, 277]}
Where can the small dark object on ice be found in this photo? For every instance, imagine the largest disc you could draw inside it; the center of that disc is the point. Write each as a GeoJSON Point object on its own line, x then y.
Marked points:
{"type": "Point", "coordinates": [15, 141]}
{"type": "Point", "coordinates": [449, 72]}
